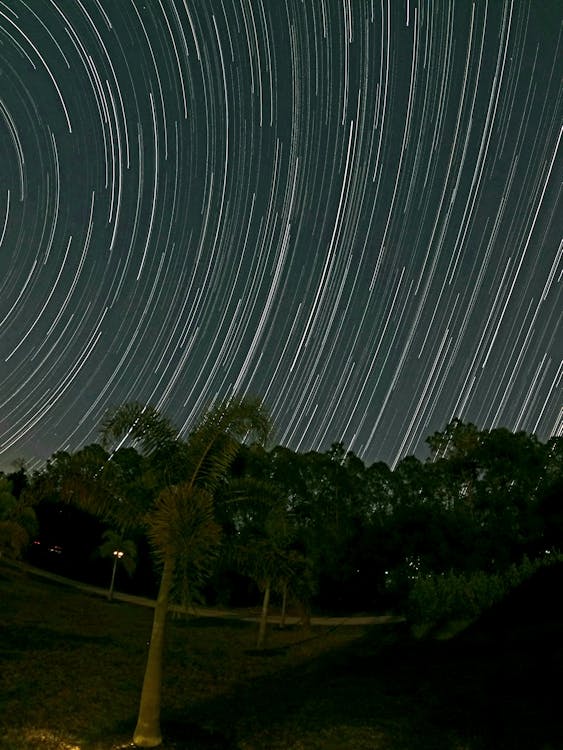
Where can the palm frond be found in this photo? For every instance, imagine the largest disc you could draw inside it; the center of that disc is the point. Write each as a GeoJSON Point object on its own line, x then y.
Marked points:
{"type": "Point", "coordinates": [140, 423]}
{"type": "Point", "coordinates": [182, 526]}
{"type": "Point", "coordinates": [113, 540]}
{"type": "Point", "coordinates": [129, 559]}
{"type": "Point", "coordinates": [264, 561]}
{"type": "Point", "coordinates": [212, 446]}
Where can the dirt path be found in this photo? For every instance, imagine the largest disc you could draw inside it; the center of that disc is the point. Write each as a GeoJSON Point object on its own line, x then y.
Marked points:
{"type": "Point", "coordinates": [247, 615]}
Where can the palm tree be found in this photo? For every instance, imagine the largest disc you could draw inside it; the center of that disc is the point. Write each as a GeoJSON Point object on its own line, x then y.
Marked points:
{"type": "Point", "coordinates": [180, 524]}
{"type": "Point", "coordinates": [273, 567]}
{"type": "Point", "coordinates": [121, 550]}
{"type": "Point", "coordinates": [263, 547]}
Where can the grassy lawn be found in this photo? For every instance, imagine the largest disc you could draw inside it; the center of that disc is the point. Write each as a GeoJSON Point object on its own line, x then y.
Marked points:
{"type": "Point", "coordinates": [71, 668]}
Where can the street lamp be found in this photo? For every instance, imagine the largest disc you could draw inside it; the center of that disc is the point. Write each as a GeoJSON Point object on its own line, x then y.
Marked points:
{"type": "Point", "coordinates": [117, 555]}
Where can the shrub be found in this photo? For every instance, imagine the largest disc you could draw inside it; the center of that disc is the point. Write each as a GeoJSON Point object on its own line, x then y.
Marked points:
{"type": "Point", "coordinates": [436, 599]}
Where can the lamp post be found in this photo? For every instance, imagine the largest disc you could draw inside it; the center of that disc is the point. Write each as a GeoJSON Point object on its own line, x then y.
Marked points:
{"type": "Point", "coordinates": [117, 555]}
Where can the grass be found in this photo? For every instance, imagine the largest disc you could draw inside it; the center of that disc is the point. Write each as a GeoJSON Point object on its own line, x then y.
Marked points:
{"type": "Point", "coordinates": [71, 668]}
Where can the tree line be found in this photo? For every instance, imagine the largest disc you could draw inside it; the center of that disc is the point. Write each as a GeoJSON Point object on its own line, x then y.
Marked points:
{"type": "Point", "coordinates": [316, 530]}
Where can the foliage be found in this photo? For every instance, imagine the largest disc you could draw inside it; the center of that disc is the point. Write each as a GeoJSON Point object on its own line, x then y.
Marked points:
{"type": "Point", "coordinates": [86, 479]}
{"type": "Point", "coordinates": [18, 522]}
{"type": "Point", "coordinates": [437, 599]}
{"type": "Point", "coordinates": [182, 525]}
{"type": "Point", "coordinates": [482, 500]}
{"type": "Point", "coordinates": [142, 424]}
{"type": "Point", "coordinates": [113, 541]}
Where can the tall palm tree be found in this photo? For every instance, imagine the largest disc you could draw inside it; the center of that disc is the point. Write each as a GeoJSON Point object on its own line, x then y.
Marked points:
{"type": "Point", "coordinates": [180, 524]}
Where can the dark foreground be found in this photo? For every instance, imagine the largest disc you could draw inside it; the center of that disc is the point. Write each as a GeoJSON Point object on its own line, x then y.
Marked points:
{"type": "Point", "coordinates": [71, 668]}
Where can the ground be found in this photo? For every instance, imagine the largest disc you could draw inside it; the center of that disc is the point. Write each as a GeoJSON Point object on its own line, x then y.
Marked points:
{"type": "Point", "coordinates": [72, 665]}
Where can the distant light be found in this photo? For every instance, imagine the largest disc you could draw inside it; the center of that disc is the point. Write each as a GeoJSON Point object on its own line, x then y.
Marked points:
{"type": "Point", "coordinates": [118, 553]}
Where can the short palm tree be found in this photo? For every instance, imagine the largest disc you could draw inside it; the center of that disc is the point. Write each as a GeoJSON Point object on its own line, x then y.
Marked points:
{"type": "Point", "coordinates": [122, 551]}
{"type": "Point", "coordinates": [263, 550]}
{"type": "Point", "coordinates": [180, 524]}
{"type": "Point", "coordinates": [271, 566]}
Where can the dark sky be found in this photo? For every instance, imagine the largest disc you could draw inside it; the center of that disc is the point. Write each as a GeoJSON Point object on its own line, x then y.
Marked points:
{"type": "Point", "coordinates": [349, 207]}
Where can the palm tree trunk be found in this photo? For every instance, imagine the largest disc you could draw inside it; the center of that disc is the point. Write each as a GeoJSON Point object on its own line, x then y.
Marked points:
{"type": "Point", "coordinates": [147, 732]}
{"type": "Point", "coordinates": [284, 606]}
{"type": "Point", "coordinates": [264, 616]}
{"type": "Point", "coordinates": [110, 592]}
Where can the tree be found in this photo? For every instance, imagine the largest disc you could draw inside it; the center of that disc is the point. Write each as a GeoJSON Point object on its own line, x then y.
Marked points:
{"type": "Point", "coordinates": [282, 527]}
{"type": "Point", "coordinates": [17, 521]}
{"type": "Point", "coordinates": [18, 477]}
{"type": "Point", "coordinates": [180, 523]}
{"type": "Point", "coordinates": [458, 439]}
{"type": "Point", "coordinates": [329, 502]}
{"type": "Point", "coordinates": [550, 494]}
{"type": "Point", "coordinates": [263, 550]}
{"type": "Point", "coordinates": [120, 550]}
{"type": "Point", "coordinates": [489, 483]}
{"type": "Point", "coordinates": [80, 494]}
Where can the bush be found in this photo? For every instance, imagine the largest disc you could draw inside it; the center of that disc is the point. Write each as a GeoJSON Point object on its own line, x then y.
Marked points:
{"type": "Point", "coordinates": [437, 599]}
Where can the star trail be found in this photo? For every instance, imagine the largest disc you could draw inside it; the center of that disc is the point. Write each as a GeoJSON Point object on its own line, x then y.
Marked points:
{"type": "Point", "coordinates": [348, 207]}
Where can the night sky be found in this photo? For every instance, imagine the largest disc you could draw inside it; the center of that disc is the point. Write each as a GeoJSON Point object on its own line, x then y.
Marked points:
{"type": "Point", "coordinates": [351, 208]}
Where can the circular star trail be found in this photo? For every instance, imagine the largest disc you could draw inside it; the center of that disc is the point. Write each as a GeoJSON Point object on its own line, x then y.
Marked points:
{"type": "Point", "coordinates": [348, 207]}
